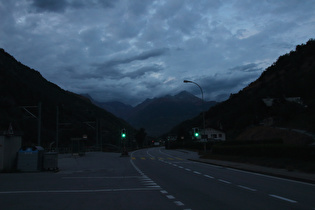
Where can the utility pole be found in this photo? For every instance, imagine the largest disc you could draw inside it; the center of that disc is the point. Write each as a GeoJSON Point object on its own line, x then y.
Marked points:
{"type": "Point", "coordinates": [57, 127]}
{"type": "Point", "coordinates": [39, 122]}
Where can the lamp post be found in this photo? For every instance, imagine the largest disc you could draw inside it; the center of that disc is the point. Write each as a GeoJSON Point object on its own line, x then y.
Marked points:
{"type": "Point", "coordinates": [203, 113]}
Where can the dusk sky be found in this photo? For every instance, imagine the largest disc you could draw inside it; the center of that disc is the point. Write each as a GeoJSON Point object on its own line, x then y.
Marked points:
{"type": "Point", "coordinates": [130, 50]}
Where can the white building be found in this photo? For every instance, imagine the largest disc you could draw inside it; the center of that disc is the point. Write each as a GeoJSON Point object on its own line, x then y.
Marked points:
{"type": "Point", "coordinates": [211, 134]}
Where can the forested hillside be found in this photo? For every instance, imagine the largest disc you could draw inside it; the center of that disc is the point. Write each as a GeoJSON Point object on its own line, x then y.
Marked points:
{"type": "Point", "coordinates": [288, 83]}
{"type": "Point", "coordinates": [23, 90]}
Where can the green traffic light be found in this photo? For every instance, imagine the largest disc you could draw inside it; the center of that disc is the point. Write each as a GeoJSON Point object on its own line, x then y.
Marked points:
{"type": "Point", "coordinates": [123, 133]}
{"type": "Point", "coordinates": [196, 134]}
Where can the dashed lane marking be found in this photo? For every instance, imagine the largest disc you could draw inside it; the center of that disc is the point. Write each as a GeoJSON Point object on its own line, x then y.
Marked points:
{"type": "Point", "coordinates": [247, 188]}
{"type": "Point", "coordinates": [151, 184]}
{"type": "Point", "coordinates": [283, 198]}
{"type": "Point", "coordinates": [208, 176]}
{"type": "Point", "coordinates": [178, 203]}
{"type": "Point", "coordinates": [170, 197]}
{"type": "Point", "coordinates": [224, 181]}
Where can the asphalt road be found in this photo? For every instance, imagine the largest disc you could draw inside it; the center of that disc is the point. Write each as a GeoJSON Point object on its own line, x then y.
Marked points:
{"type": "Point", "coordinates": [194, 185]}
{"type": "Point", "coordinates": [152, 178]}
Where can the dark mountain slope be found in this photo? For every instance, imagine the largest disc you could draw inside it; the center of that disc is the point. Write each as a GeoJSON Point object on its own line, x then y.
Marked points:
{"type": "Point", "coordinates": [159, 115]}
{"type": "Point", "coordinates": [119, 109]}
{"type": "Point", "coordinates": [22, 86]}
{"type": "Point", "coordinates": [292, 75]}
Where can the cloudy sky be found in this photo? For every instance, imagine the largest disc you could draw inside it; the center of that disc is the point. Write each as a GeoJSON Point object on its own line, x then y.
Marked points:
{"type": "Point", "coordinates": [130, 50]}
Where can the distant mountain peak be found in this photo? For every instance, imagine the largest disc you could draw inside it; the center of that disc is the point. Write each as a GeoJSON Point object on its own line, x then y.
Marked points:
{"type": "Point", "coordinates": [185, 95]}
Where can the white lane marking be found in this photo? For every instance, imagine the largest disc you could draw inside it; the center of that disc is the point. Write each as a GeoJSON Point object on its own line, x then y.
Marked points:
{"type": "Point", "coordinates": [283, 198]}
{"type": "Point", "coordinates": [166, 154]}
{"type": "Point", "coordinates": [178, 203]}
{"type": "Point", "coordinates": [155, 186]}
{"type": "Point", "coordinates": [77, 191]}
{"type": "Point", "coordinates": [196, 172]}
{"type": "Point", "coordinates": [187, 169]}
{"type": "Point", "coordinates": [150, 154]}
{"type": "Point", "coordinates": [148, 183]}
{"type": "Point", "coordinates": [101, 177]}
{"type": "Point", "coordinates": [224, 181]}
{"type": "Point", "coordinates": [170, 197]}
{"type": "Point", "coordinates": [137, 169]}
{"type": "Point", "coordinates": [208, 176]}
{"type": "Point", "coordinates": [180, 167]}
{"type": "Point", "coordinates": [247, 188]}
{"type": "Point", "coordinates": [269, 176]}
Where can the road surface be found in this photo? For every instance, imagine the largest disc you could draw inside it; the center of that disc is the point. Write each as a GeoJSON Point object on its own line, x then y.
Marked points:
{"type": "Point", "coordinates": [202, 186]}
{"type": "Point", "coordinates": [152, 178]}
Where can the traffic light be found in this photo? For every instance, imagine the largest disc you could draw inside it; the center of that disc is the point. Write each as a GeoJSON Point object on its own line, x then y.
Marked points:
{"type": "Point", "coordinates": [196, 132]}
{"type": "Point", "coordinates": [123, 133]}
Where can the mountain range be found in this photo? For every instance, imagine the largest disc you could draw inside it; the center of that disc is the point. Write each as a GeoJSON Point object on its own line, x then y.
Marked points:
{"type": "Point", "coordinates": [158, 115]}
{"type": "Point", "coordinates": [288, 83]}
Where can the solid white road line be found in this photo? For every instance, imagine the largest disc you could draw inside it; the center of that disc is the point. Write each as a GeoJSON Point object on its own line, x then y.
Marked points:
{"type": "Point", "coordinates": [76, 191]}
{"type": "Point", "coordinates": [102, 177]}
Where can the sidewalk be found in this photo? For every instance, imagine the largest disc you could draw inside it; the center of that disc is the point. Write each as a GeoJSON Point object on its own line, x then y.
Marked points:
{"type": "Point", "coordinates": [283, 173]}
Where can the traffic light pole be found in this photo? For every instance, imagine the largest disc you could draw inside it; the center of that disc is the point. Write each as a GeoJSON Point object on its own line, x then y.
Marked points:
{"type": "Point", "coordinates": [123, 136]}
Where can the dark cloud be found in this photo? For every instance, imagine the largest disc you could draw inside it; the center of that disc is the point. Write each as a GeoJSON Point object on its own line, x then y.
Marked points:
{"type": "Point", "coordinates": [151, 53]}
{"type": "Point", "coordinates": [142, 71]}
{"type": "Point", "coordinates": [219, 87]}
{"type": "Point", "coordinates": [112, 64]}
{"type": "Point", "coordinates": [50, 5]}
{"type": "Point", "coordinates": [62, 5]}
{"type": "Point", "coordinates": [130, 50]}
{"type": "Point", "coordinates": [251, 67]}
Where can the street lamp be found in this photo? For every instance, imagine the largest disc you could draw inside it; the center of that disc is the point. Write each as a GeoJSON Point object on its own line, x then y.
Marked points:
{"type": "Point", "coordinates": [203, 113]}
